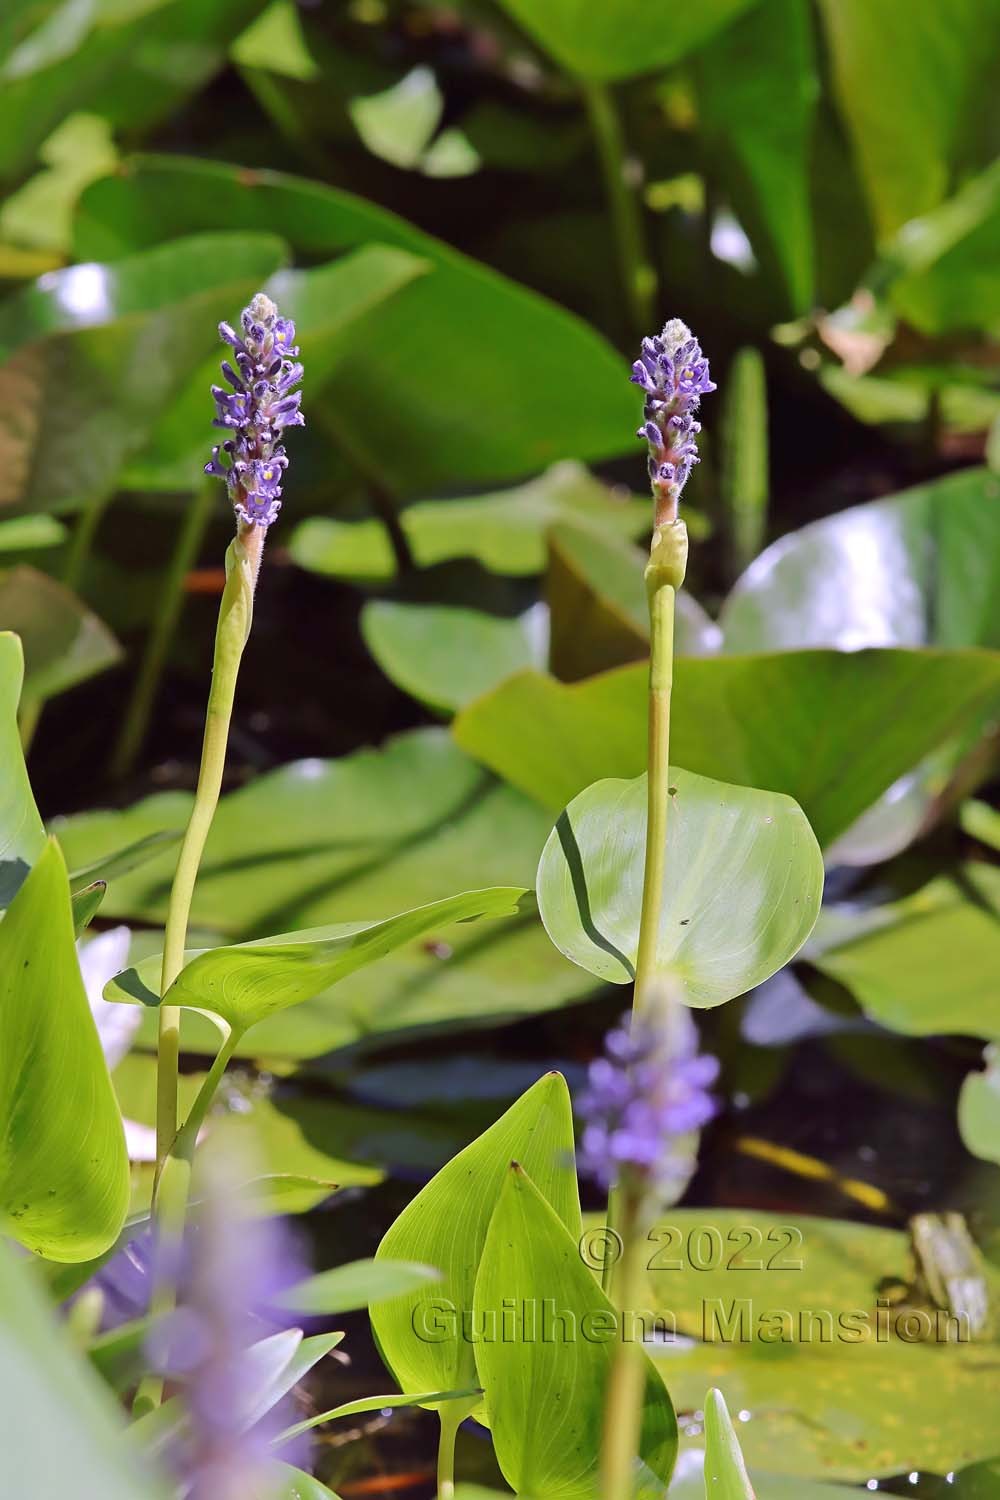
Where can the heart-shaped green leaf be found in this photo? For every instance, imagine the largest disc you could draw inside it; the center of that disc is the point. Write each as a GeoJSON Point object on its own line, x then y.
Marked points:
{"type": "Point", "coordinates": [22, 837]}
{"type": "Point", "coordinates": [64, 1182]}
{"type": "Point", "coordinates": [545, 1390]}
{"type": "Point", "coordinates": [743, 886]}
{"type": "Point", "coordinates": [726, 1475]}
{"type": "Point", "coordinates": [247, 983]}
{"type": "Point", "coordinates": [421, 1333]}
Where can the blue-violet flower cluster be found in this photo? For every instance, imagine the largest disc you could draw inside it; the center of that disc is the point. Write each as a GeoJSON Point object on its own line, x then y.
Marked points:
{"type": "Point", "coordinates": [646, 1094]}
{"type": "Point", "coordinates": [260, 404]}
{"type": "Point", "coordinates": [674, 374]}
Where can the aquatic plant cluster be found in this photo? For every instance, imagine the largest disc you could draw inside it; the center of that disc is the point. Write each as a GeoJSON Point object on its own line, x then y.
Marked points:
{"type": "Point", "coordinates": [331, 1161]}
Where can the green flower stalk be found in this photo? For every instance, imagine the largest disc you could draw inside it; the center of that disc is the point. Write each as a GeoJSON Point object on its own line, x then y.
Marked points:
{"type": "Point", "coordinates": [255, 411]}
{"type": "Point", "coordinates": [674, 375]}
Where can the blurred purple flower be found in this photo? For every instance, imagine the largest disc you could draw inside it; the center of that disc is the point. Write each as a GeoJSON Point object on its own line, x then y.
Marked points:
{"type": "Point", "coordinates": [234, 1268]}
{"type": "Point", "coordinates": [260, 404]}
{"type": "Point", "coordinates": [646, 1096]}
{"type": "Point", "coordinates": [674, 375]}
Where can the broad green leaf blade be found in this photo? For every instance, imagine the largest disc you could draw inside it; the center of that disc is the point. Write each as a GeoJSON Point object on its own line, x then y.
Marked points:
{"type": "Point", "coordinates": [77, 357]}
{"type": "Point", "coordinates": [926, 964]}
{"type": "Point", "coordinates": [473, 421]}
{"type": "Point", "coordinates": [504, 530]}
{"type": "Point", "coordinates": [64, 1183]}
{"type": "Point", "coordinates": [64, 641]}
{"type": "Point", "coordinates": [743, 886]}
{"type": "Point", "coordinates": [248, 983]}
{"type": "Point", "coordinates": [615, 39]}
{"type": "Point", "coordinates": [63, 1433]}
{"type": "Point", "coordinates": [930, 575]}
{"type": "Point", "coordinates": [360, 1283]}
{"type": "Point", "coordinates": [22, 837]}
{"type": "Point", "coordinates": [445, 656]}
{"type": "Point", "coordinates": [764, 156]}
{"type": "Point", "coordinates": [832, 729]}
{"type": "Point", "coordinates": [445, 1226]}
{"type": "Point", "coordinates": [726, 1475]}
{"type": "Point", "coordinates": [545, 1396]}
{"type": "Point", "coordinates": [907, 105]}
{"type": "Point", "coordinates": [319, 841]}
{"type": "Point", "coordinates": [979, 1109]}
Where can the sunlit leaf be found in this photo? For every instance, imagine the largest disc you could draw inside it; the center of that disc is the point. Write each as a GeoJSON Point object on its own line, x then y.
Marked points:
{"type": "Point", "coordinates": [22, 837]}
{"type": "Point", "coordinates": [359, 1283]}
{"type": "Point", "coordinates": [247, 984]}
{"type": "Point", "coordinates": [446, 1225]}
{"type": "Point", "coordinates": [545, 1397]}
{"type": "Point", "coordinates": [725, 1471]}
{"type": "Point", "coordinates": [743, 885]}
{"type": "Point", "coordinates": [63, 1168]}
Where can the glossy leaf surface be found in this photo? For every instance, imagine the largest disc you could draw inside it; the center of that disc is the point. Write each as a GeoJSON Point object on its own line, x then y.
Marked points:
{"type": "Point", "coordinates": [63, 1169]}
{"type": "Point", "coordinates": [446, 1226]}
{"type": "Point", "coordinates": [358, 1283]}
{"type": "Point", "coordinates": [743, 885]}
{"type": "Point", "coordinates": [545, 1396]}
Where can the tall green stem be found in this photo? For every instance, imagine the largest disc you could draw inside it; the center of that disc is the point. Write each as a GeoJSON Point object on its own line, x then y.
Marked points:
{"type": "Point", "coordinates": [168, 610]}
{"type": "Point", "coordinates": [661, 678]}
{"type": "Point", "coordinates": [82, 540]}
{"type": "Point", "coordinates": [627, 1377]}
{"type": "Point", "coordinates": [235, 615]}
{"type": "Point", "coordinates": [637, 270]}
{"type": "Point", "coordinates": [451, 1415]}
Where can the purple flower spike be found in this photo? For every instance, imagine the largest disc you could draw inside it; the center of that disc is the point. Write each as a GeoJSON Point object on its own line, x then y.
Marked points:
{"type": "Point", "coordinates": [260, 404]}
{"type": "Point", "coordinates": [645, 1095]}
{"type": "Point", "coordinates": [674, 374]}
